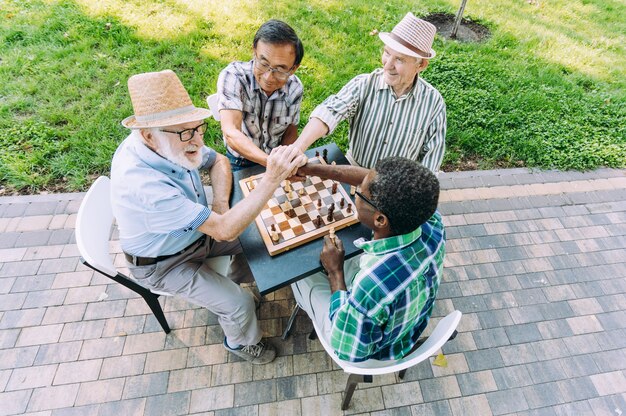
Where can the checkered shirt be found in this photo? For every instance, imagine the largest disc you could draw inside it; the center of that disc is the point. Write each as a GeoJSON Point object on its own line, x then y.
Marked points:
{"type": "Point", "coordinates": [381, 125]}
{"type": "Point", "coordinates": [391, 297]}
{"type": "Point", "coordinates": [265, 119]}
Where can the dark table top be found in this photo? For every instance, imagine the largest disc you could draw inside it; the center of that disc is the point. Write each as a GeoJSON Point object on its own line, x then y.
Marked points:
{"type": "Point", "coordinates": [272, 273]}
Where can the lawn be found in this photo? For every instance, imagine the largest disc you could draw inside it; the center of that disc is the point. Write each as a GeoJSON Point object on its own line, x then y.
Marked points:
{"type": "Point", "coordinates": [547, 89]}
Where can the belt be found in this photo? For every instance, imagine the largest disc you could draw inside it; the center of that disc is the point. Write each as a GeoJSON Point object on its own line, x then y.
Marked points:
{"type": "Point", "coordinates": [146, 261]}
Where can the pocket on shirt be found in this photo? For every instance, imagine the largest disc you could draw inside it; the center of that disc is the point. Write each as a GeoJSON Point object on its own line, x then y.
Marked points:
{"type": "Point", "coordinates": [251, 124]}
{"type": "Point", "coordinates": [279, 125]}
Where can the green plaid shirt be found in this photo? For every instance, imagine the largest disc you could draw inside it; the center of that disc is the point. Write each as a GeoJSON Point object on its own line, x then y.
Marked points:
{"type": "Point", "coordinates": [392, 295]}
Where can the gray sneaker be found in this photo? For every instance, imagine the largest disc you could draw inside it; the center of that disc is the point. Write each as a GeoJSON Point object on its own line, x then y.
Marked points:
{"type": "Point", "coordinates": [260, 353]}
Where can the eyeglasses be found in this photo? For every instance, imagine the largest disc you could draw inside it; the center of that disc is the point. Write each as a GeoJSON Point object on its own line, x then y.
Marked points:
{"type": "Point", "coordinates": [366, 199]}
{"type": "Point", "coordinates": [278, 73]}
{"type": "Point", "coordinates": [187, 134]}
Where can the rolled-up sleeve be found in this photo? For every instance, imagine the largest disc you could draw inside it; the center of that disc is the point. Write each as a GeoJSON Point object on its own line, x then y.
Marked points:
{"type": "Point", "coordinates": [229, 90]}
{"type": "Point", "coordinates": [341, 106]}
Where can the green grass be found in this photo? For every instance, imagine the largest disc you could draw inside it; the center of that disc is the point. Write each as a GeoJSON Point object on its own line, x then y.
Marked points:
{"type": "Point", "coordinates": [547, 89]}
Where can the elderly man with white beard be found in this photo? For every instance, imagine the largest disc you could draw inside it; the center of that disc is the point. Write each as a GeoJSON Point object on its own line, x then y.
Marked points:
{"type": "Point", "coordinates": [167, 229]}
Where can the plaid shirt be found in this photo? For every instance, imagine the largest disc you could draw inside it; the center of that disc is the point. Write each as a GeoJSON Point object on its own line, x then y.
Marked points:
{"type": "Point", "coordinates": [392, 295]}
{"type": "Point", "coordinates": [265, 119]}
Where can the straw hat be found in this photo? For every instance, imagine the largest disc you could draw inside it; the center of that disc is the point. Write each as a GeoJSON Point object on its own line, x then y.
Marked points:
{"type": "Point", "coordinates": [160, 100]}
{"type": "Point", "coordinates": [412, 36]}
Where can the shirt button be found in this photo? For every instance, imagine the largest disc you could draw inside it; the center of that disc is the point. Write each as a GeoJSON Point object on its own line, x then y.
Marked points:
{"type": "Point", "coordinates": [173, 171]}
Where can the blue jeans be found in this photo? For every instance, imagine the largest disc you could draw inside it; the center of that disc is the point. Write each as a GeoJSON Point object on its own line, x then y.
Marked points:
{"type": "Point", "coordinates": [238, 163]}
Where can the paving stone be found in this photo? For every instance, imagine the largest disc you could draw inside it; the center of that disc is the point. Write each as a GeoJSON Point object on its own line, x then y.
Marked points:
{"type": "Point", "coordinates": [74, 331]}
{"type": "Point", "coordinates": [610, 360]}
{"type": "Point", "coordinates": [549, 349]}
{"type": "Point", "coordinates": [63, 314]}
{"type": "Point", "coordinates": [614, 339]}
{"type": "Point", "coordinates": [495, 318]}
{"type": "Point", "coordinates": [584, 324]}
{"type": "Point", "coordinates": [212, 398]}
{"type": "Point", "coordinates": [287, 407]}
{"type": "Point", "coordinates": [53, 397]}
{"type": "Point", "coordinates": [612, 320]}
{"type": "Point", "coordinates": [8, 338]}
{"type": "Point", "coordinates": [582, 344]}
{"type": "Point", "coordinates": [133, 407]}
{"type": "Point", "coordinates": [145, 385]}
{"type": "Point", "coordinates": [52, 297]}
{"type": "Point", "coordinates": [99, 392]}
{"type": "Point", "coordinates": [517, 354]}
{"type": "Point", "coordinates": [456, 364]}
{"type": "Point", "coordinates": [471, 406]}
{"type": "Point", "coordinates": [206, 355]}
{"type": "Point", "coordinates": [490, 338]}
{"type": "Point", "coordinates": [296, 387]}
{"type": "Point", "coordinates": [255, 392]}
{"type": "Point", "coordinates": [508, 401]}
{"type": "Point", "coordinates": [546, 371]}
{"type": "Point", "coordinates": [44, 334]}
{"type": "Point", "coordinates": [440, 388]}
{"type": "Point", "coordinates": [58, 353]}
{"type": "Point", "coordinates": [77, 372]}
{"type": "Point", "coordinates": [20, 268]}
{"type": "Point", "coordinates": [608, 405]}
{"type": "Point", "coordinates": [14, 402]}
{"type": "Point", "coordinates": [327, 404]}
{"type": "Point", "coordinates": [311, 363]}
{"type": "Point", "coordinates": [129, 365]}
{"type": "Point", "coordinates": [609, 383]}
{"type": "Point", "coordinates": [520, 334]}
{"type": "Point", "coordinates": [33, 238]}
{"type": "Point", "coordinates": [476, 383]}
{"type": "Point", "coordinates": [21, 318]}
{"type": "Point", "coordinates": [33, 283]}
{"type": "Point", "coordinates": [576, 389]}
{"type": "Point", "coordinates": [31, 377]}
{"type": "Point", "coordinates": [239, 411]}
{"type": "Point", "coordinates": [512, 377]}
{"type": "Point", "coordinates": [440, 408]}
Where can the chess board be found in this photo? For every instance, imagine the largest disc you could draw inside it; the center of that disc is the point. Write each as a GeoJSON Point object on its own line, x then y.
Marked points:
{"type": "Point", "coordinates": [297, 226]}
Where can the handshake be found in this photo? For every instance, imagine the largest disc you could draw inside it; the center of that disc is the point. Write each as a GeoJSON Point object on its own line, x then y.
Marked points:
{"type": "Point", "coordinates": [286, 162]}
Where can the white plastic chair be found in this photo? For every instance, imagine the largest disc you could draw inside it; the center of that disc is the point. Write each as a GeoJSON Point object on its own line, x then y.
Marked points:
{"type": "Point", "coordinates": [365, 370]}
{"type": "Point", "coordinates": [93, 229]}
{"type": "Point", "coordinates": [211, 100]}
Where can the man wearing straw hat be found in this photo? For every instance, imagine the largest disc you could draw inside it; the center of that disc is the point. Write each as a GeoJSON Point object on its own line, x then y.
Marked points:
{"type": "Point", "coordinates": [392, 111]}
{"type": "Point", "coordinates": [166, 229]}
{"type": "Point", "coordinates": [259, 100]}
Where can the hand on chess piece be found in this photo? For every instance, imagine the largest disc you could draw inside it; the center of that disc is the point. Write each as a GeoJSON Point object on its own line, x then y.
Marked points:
{"type": "Point", "coordinates": [332, 258]}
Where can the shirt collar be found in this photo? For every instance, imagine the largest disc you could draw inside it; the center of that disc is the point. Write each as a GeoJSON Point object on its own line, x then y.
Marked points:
{"type": "Point", "coordinates": [153, 159]}
{"type": "Point", "coordinates": [413, 92]}
{"type": "Point", "coordinates": [389, 244]}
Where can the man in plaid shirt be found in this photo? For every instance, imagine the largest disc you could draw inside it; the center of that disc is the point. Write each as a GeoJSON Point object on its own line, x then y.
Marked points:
{"type": "Point", "coordinates": [259, 100]}
{"type": "Point", "coordinates": [377, 304]}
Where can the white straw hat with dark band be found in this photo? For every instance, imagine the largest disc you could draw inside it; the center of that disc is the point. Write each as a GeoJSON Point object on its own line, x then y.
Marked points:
{"type": "Point", "coordinates": [160, 100]}
{"type": "Point", "coordinates": [412, 36]}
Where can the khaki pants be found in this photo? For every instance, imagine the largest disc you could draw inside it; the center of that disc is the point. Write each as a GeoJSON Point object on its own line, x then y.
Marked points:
{"type": "Point", "coordinates": [188, 276]}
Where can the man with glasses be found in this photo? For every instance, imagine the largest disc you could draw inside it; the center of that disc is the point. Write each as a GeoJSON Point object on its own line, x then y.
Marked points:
{"type": "Point", "coordinates": [166, 228]}
{"type": "Point", "coordinates": [377, 305]}
{"type": "Point", "coordinates": [259, 101]}
{"type": "Point", "coordinates": [392, 111]}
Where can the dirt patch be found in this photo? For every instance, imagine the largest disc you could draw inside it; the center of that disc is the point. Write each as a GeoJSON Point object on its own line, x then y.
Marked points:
{"type": "Point", "coordinates": [469, 31]}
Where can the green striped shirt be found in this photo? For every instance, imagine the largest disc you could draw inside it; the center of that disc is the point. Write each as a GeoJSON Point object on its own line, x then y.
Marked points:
{"type": "Point", "coordinates": [381, 125]}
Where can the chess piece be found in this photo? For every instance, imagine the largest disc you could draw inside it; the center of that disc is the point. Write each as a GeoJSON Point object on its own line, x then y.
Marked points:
{"type": "Point", "coordinates": [331, 210]}
{"type": "Point", "coordinates": [318, 221]}
{"type": "Point", "coordinates": [349, 210]}
{"type": "Point", "coordinates": [342, 203]}
{"type": "Point", "coordinates": [286, 206]}
{"type": "Point", "coordinates": [317, 153]}
{"type": "Point", "coordinates": [331, 235]}
{"type": "Point", "coordinates": [287, 186]}
{"type": "Point", "coordinates": [325, 155]}
{"type": "Point", "coordinates": [319, 203]}
{"type": "Point", "coordinates": [334, 188]}
{"type": "Point", "coordinates": [291, 195]}
{"type": "Point", "coordinates": [301, 191]}
{"type": "Point", "coordinates": [274, 234]}
{"type": "Point", "coordinates": [333, 163]}
{"type": "Point", "coordinates": [352, 190]}
{"type": "Point", "coordinates": [332, 207]}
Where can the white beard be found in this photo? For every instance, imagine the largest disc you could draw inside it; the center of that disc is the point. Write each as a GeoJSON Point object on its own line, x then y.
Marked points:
{"type": "Point", "coordinates": [179, 158]}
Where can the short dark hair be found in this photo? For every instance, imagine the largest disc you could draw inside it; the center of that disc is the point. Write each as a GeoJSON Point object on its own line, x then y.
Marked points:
{"type": "Point", "coordinates": [406, 192]}
{"type": "Point", "coordinates": [278, 32]}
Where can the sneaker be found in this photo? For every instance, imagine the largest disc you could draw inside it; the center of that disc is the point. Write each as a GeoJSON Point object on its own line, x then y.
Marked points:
{"type": "Point", "coordinates": [259, 353]}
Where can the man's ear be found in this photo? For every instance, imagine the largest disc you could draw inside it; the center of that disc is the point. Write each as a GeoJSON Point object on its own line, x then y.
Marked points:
{"type": "Point", "coordinates": [148, 138]}
{"type": "Point", "coordinates": [295, 68]}
{"type": "Point", "coordinates": [381, 221]}
{"type": "Point", "coordinates": [423, 65]}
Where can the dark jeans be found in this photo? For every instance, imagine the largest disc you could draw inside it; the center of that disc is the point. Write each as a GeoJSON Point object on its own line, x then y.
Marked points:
{"type": "Point", "coordinates": [238, 163]}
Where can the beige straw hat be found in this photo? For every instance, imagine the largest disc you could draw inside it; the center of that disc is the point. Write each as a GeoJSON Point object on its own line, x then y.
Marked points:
{"type": "Point", "coordinates": [160, 100]}
{"type": "Point", "coordinates": [412, 36]}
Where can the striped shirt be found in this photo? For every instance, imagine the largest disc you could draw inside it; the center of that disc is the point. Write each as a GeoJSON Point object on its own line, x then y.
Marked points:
{"type": "Point", "coordinates": [265, 119]}
{"type": "Point", "coordinates": [391, 297]}
{"type": "Point", "coordinates": [381, 125]}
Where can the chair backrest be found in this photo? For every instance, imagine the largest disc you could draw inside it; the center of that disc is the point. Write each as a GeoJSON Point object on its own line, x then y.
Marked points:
{"type": "Point", "coordinates": [211, 100]}
{"type": "Point", "coordinates": [443, 331]}
{"type": "Point", "coordinates": [93, 227]}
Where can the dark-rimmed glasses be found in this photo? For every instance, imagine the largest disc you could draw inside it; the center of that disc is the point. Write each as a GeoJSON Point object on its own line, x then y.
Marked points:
{"type": "Point", "coordinates": [366, 199]}
{"type": "Point", "coordinates": [278, 73]}
{"type": "Point", "coordinates": [187, 134]}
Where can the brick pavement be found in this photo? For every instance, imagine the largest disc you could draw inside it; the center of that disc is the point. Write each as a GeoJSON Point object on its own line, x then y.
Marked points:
{"type": "Point", "coordinates": [536, 262]}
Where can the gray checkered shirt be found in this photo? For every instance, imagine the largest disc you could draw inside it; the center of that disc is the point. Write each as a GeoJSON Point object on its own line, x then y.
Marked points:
{"type": "Point", "coordinates": [264, 119]}
{"type": "Point", "coordinates": [381, 125]}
